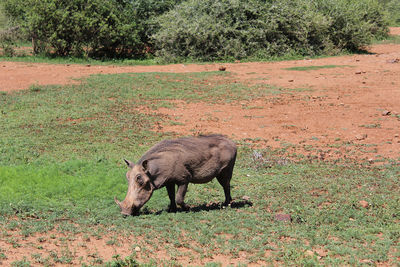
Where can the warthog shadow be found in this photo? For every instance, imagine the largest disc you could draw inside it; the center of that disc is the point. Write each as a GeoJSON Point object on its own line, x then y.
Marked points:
{"type": "Point", "coordinates": [204, 207]}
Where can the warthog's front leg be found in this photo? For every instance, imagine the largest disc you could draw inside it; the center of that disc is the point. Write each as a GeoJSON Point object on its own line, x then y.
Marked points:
{"type": "Point", "coordinates": [171, 195]}
{"type": "Point", "coordinates": [180, 196]}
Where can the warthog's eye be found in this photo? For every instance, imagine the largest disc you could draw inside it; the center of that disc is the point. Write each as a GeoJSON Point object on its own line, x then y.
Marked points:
{"type": "Point", "coordinates": [139, 179]}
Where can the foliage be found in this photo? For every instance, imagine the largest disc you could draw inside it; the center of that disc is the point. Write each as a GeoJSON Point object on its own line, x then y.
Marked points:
{"type": "Point", "coordinates": [198, 30]}
{"type": "Point", "coordinates": [98, 29]}
{"type": "Point", "coordinates": [354, 23]}
{"type": "Point", "coordinates": [223, 29]}
{"type": "Point", "coordinates": [9, 39]}
{"type": "Point", "coordinates": [14, 10]}
{"type": "Point", "coordinates": [393, 10]}
{"type": "Point", "coordinates": [3, 19]}
{"type": "Point", "coordinates": [10, 34]}
{"type": "Point", "coordinates": [145, 12]}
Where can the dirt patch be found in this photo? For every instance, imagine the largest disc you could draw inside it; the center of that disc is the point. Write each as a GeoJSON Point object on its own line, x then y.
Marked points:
{"type": "Point", "coordinates": [53, 248]}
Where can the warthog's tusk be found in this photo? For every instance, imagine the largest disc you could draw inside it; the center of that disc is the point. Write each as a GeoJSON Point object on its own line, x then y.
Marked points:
{"type": "Point", "coordinates": [117, 201]}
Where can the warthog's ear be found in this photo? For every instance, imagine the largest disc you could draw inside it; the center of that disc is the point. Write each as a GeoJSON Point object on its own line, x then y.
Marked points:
{"type": "Point", "coordinates": [145, 165]}
{"type": "Point", "coordinates": [130, 164]}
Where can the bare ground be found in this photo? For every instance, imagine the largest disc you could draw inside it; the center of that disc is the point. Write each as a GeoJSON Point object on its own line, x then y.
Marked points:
{"type": "Point", "coordinates": [351, 110]}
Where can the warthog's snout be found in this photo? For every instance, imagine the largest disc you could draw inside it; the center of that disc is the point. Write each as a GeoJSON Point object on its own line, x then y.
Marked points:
{"type": "Point", "coordinates": [126, 211]}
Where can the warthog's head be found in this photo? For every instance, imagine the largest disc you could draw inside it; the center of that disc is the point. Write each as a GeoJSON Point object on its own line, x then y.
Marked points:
{"type": "Point", "coordinates": [140, 189]}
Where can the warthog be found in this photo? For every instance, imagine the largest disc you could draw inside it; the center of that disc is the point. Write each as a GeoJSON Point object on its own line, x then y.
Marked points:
{"type": "Point", "coordinates": [179, 162]}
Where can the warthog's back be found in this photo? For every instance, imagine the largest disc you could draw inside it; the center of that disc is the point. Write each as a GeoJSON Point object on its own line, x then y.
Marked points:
{"type": "Point", "coordinates": [203, 157]}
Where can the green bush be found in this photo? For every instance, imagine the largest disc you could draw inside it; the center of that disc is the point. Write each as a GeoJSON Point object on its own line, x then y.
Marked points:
{"type": "Point", "coordinates": [224, 29]}
{"type": "Point", "coordinates": [393, 10]}
{"type": "Point", "coordinates": [145, 12]}
{"type": "Point", "coordinates": [197, 29]}
{"type": "Point", "coordinates": [9, 39]}
{"type": "Point", "coordinates": [95, 28]}
{"type": "Point", "coordinates": [354, 23]}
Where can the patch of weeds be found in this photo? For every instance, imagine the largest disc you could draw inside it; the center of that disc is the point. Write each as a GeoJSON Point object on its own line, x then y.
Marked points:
{"type": "Point", "coordinates": [391, 39]}
{"type": "Point", "coordinates": [175, 123]}
{"type": "Point", "coordinates": [38, 258]}
{"type": "Point", "coordinates": [371, 126]}
{"type": "Point", "coordinates": [96, 258]}
{"type": "Point", "coordinates": [22, 263]}
{"type": "Point", "coordinates": [126, 262]}
{"type": "Point", "coordinates": [66, 256]}
{"type": "Point", "coordinates": [252, 107]}
{"type": "Point", "coordinates": [2, 255]}
{"type": "Point", "coordinates": [263, 158]}
{"type": "Point", "coordinates": [308, 68]}
{"type": "Point", "coordinates": [112, 241]}
{"type": "Point", "coordinates": [35, 88]}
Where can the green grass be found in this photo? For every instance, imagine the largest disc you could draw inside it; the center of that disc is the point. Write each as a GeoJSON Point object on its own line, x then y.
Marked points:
{"type": "Point", "coordinates": [391, 39]}
{"type": "Point", "coordinates": [61, 151]}
{"type": "Point", "coordinates": [308, 68]}
{"type": "Point", "coordinates": [22, 56]}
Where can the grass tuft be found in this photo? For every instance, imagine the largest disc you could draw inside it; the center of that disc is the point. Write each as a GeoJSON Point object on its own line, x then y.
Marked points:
{"type": "Point", "coordinates": [308, 68]}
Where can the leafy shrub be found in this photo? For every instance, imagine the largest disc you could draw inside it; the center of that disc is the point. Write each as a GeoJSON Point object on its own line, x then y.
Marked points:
{"type": "Point", "coordinates": [14, 10]}
{"type": "Point", "coordinates": [94, 28]}
{"type": "Point", "coordinates": [353, 23]}
{"type": "Point", "coordinates": [223, 29]}
{"type": "Point", "coordinates": [145, 12]}
{"type": "Point", "coordinates": [98, 28]}
{"type": "Point", "coordinates": [197, 29]}
{"type": "Point", "coordinates": [9, 39]}
{"type": "Point", "coordinates": [393, 10]}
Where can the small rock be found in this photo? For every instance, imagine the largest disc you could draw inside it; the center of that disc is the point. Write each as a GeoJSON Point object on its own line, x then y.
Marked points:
{"type": "Point", "coordinates": [396, 136]}
{"type": "Point", "coordinates": [283, 217]}
{"type": "Point", "coordinates": [363, 203]}
{"type": "Point", "coordinates": [222, 68]}
{"type": "Point", "coordinates": [386, 113]}
{"type": "Point", "coordinates": [290, 81]}
{"type": "Point", "coordinates": [396, 60]}
{"type": "Point", "coordinates": [367, 261]}
{"type": "Point", "coordinates": [247, 198]}
{"type": "Point", "coordinates": [321, 252]}
{"type": "Point", "coordinates": [358, 72]}
{"type": "Point", "coordinates": [137, 249]}
{"type": "Point", "coordinates": [309, 253]}
{"type": "Point", "coordinates": [361, 136]}
{"type": "Point", "coordinates": [88, 65]}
